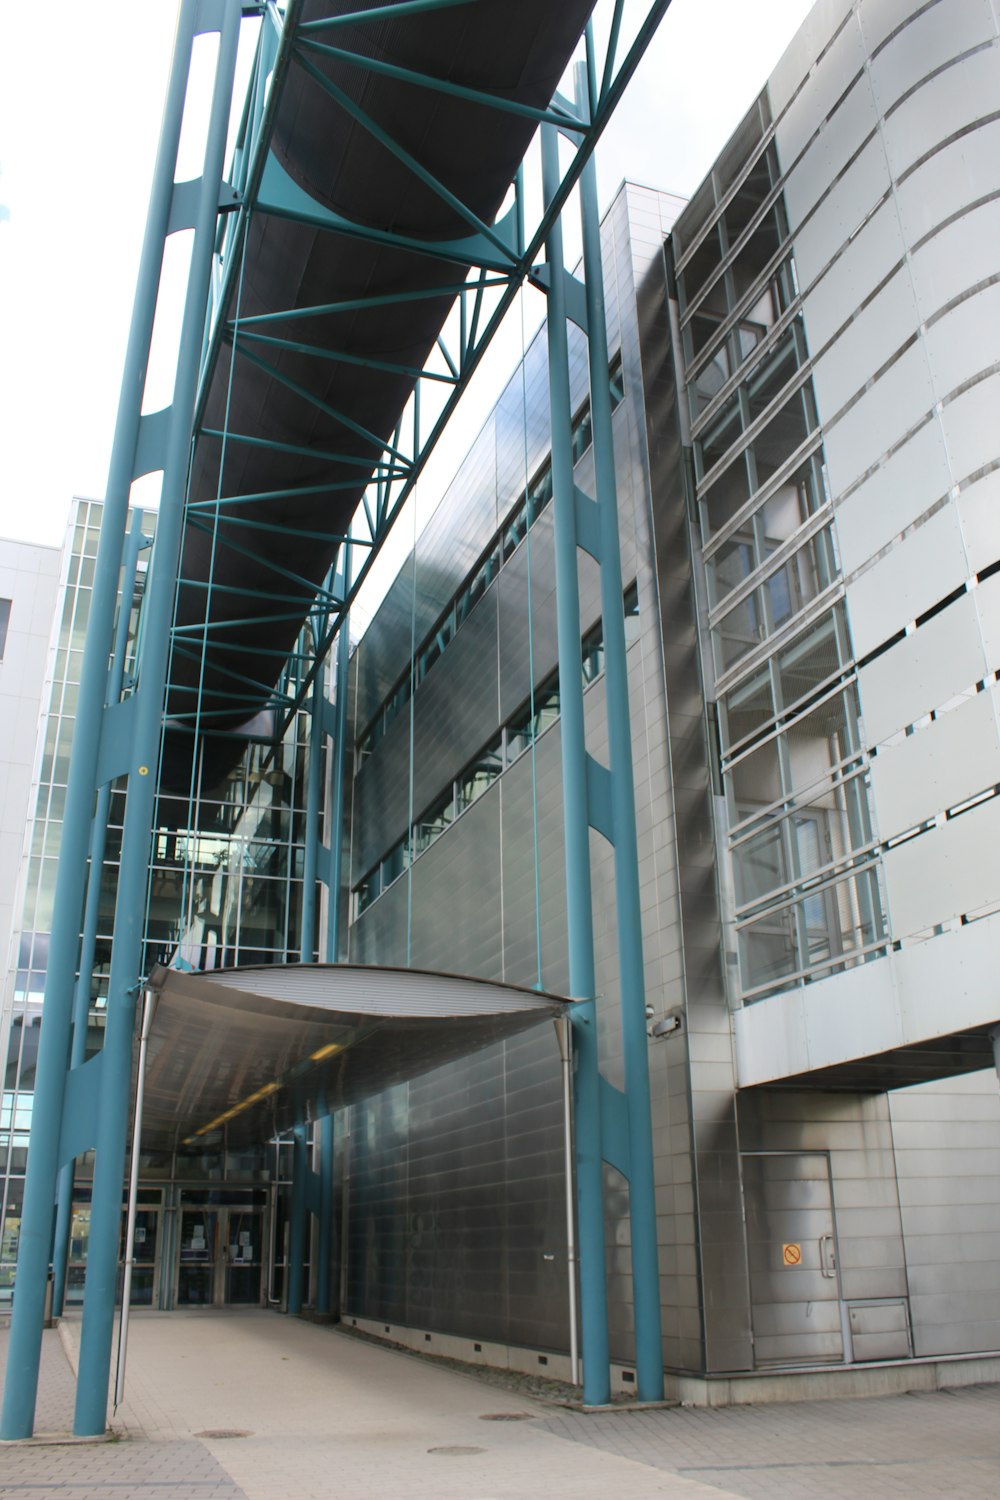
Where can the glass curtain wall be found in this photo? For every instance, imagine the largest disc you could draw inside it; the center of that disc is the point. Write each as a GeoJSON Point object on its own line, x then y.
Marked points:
{"type": "Point", "coordinates": [226, 888]}
{"type": "Point", "coordinates": [795, 777]}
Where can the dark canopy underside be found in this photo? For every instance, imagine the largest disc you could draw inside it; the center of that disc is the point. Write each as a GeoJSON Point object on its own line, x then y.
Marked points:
{"type": "Point", "coordinates": [516, 49]}
{"type": "Point", "coordinates": [258, 1049]}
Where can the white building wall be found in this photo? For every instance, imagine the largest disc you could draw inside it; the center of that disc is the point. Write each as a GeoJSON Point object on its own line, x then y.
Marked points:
{"type": "Point", "coordinates": [29, 578]}
{"type": "Point", "coordinates": [890, 141]}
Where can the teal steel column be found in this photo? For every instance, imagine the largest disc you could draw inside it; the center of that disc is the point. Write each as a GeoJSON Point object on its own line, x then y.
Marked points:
{"type": "Point", "coordinates": [21, 1384]}
{"type": "Point", "coordinates": [297, 1221]}
{"type": "Point", "coordinates": [642, 1191]}
{"type": "Point", "coordinates": [126, 959]}
{"type": "Point", "coordinates": [314, 791]}
{"type": "Point", "coordinates": [336, 818]}
{"type": "Point", "coordinates": [582, 983]}
{"type": "Point", "coordinates": [324, 1271]}
{"type": "Point", "coordinates": [98, 838]}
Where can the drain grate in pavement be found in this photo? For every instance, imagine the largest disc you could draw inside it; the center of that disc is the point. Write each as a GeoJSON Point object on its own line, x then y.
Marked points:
{"type": "Point", "coordinates": [455, 1450]}
{"type": "Point", "coordinates": [507, 1416]}
{"type": "Point", "coordinates": [224, 1432]}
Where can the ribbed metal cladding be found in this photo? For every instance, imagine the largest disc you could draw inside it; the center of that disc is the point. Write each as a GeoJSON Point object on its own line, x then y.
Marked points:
{"type": "Point", "coordinates": [453, 1184]}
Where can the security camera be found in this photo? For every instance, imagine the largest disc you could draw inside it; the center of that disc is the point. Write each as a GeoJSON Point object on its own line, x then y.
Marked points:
{"type": "Point", "coordinates": [665, 1026]}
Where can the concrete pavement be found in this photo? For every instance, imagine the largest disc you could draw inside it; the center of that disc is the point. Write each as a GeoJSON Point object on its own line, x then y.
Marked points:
{"type": "Point", "coordinates": [317, 1415]}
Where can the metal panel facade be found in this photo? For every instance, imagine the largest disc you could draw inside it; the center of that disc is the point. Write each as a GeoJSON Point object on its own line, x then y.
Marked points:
{"type": "Point", "coordinates": [805, 459]}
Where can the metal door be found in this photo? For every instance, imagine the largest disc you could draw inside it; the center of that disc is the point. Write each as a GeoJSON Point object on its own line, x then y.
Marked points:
{"type": "Point", "coordinates": [792, 1250]}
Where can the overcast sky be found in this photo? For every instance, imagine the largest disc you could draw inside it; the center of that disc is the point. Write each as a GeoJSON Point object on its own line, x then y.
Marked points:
{"type": "Point", "coordinates": [80, 101]}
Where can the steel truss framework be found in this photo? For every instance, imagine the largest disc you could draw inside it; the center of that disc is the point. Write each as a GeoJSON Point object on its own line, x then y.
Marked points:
{"type": "Point", "coordinates": [82, 1106]}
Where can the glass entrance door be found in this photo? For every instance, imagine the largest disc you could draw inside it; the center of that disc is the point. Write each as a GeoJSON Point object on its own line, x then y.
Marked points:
{"type": "Point", "coordinates": [220, 1257]}
{"type": "Point", "coordinates": [145, 1252]}
{"type": "Point", "coordinates": [199, 1244]}
{"type": "Point", "coordinates": [243, 1242]}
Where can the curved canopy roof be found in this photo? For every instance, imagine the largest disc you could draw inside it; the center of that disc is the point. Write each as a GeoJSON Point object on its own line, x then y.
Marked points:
{"type": "Point", "coordinates": [258, 1049]}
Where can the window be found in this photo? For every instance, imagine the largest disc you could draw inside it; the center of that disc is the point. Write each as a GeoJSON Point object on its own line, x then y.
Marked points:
{"type": "Point", "coordinates": [4, 622]}
{"type": "Point", "coordinates": [527, 725]}
{"type": "Point", "coordinates": [434, 822]}
{"type": "Point", "coordinates": [481, 774]}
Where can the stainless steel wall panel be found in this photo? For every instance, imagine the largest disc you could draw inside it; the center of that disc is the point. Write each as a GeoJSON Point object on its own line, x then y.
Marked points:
{"type": "Point", "coordinates": [442, 563]}
{"type": "Point", "coordinates": [449, 727]}
{"type": "Point", "coordinates": [968, 429]}
{"type": "Point", "coordinates": [873, 337]}
{"type": "Point", "coordinates": [952, 759]}
{"type": "Point", "coordinates": [947, 103]}
{"type": "Point", "coordinates": [959, 963]}
{"type": "Point", "coordinates": [988, 608]}
{"type": "Point", "coordinates": [522, 426]}
{"type": "Point", "coordinates": [979, 509]}
{"type": "Point", "coordinates": [929, 40]}
{"type": "Point", "coordinates": [959, 173]}
{"type": "Point", "coordinates": [825, 77]}
{"type": "Point", "coordinates": [874, 424]}
{"type": "Point", "coordinates": [456, 895]}
{"type": "Point", "coordinates": [966, 339]}
{"type": "Point", "coordinates": [913, 478]}
{"type": "Point", "coordinates": [922, 672]}
{"type": "Point", "coordinates": [846, 130]}
{"type": "Point", "coordinates": [525, 789]}
{"type": "Point", "coordinates": [922, 569]}
{"type": "Point", "coordinates": [379, 934]}
{"type": "Point", "coordinates": [950, 871]}
{"type": "Point", "coordinates": [812, 37]}
{"type": "Point", "coordinates": [867, 258]}
{"type": "Point", "coordinates": [953, 261]}
{"type": "Point", "coordinates": [840, 214]}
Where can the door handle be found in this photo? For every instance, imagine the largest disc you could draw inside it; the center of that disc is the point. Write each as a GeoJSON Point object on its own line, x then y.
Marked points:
{"type": "Point", "coordinates": [827, 1257]}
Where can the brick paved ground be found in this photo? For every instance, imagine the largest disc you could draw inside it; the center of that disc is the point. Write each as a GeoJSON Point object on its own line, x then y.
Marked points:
{"type": "Point", "coordinates": [329, 1418]}
{"type": "Point", "coordinates": [945, 1443]}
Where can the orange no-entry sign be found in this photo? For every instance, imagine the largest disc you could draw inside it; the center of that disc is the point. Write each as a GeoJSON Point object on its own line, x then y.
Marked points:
{"type": "Point", "coordinates": [791, 1255]}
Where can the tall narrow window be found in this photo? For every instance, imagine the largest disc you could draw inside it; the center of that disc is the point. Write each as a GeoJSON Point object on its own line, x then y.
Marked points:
{"type": "Point", "coordinates": [4, 622]}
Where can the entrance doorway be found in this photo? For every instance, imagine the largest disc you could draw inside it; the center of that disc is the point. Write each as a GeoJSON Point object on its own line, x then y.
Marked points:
{"type": "Point", "coordinates": [798, 1309]}
{"type": "Point", "coordinates": [220, 1256]}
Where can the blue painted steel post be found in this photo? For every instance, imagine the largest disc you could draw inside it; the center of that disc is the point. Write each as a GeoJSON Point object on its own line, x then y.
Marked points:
{"type": "Point", "coordinates": [297, 1221]}
{"type": "Point", "coordinates": [126, 958]}
{"type": "Point", "coordinates": [642, 1191]}
{"type": "Point", "coordinates": [587, 1110]}
{"type": "Point", "coordinates": [98, 839]}
{"type": "Point", "coordinates": [324, 1271]}
{"type": "Point", "coordinates": [336, 819]}
{"type": "Point", "coordinates": [314, 790]}
{"type": "Point", "coordinates": [54, 1044]}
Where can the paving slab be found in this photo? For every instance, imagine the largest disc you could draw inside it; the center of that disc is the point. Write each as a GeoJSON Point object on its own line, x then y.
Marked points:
{"type": "Point", "coordinates": [254, 1406]}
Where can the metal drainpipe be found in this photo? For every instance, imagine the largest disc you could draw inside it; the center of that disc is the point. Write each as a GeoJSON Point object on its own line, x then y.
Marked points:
{"type": "Point", "coordinates": [564, 1034]}
{"type": "Point", "coordinates": [148, 1015]}
{"type": "Point", "coordinates": [297, 1236]}
{"type": "Point", "coordinates": [324, 1248]}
